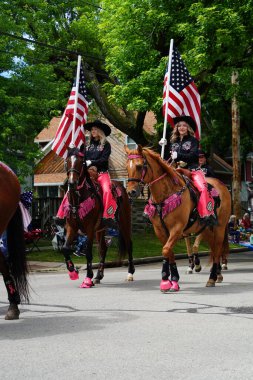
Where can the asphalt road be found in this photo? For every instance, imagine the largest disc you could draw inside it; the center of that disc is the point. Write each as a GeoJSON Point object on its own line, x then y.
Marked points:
{"type": "Point", "coordinates": [119, 330]}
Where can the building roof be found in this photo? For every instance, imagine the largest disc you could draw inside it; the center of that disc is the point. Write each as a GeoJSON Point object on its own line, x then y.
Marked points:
{"type": "Point", "coordinates": [47, 134]}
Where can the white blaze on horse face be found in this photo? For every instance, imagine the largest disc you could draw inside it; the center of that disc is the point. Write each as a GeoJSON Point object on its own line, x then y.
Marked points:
{"type": "Point", "coordinates": [130, 164]}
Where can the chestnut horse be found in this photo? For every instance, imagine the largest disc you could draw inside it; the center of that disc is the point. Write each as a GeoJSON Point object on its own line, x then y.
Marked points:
{"type": "Point", "coordinates": [172, 211]}
{"type": "Point", "coordinates": [13, 265]}
{"type": "Point", "coordinates": [84, 212]}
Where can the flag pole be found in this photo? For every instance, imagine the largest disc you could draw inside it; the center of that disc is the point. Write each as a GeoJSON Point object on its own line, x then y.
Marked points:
{"type": "Point", "coordinates": [167, 95]}
{"type": "Point", "coordinates": [76, 97]}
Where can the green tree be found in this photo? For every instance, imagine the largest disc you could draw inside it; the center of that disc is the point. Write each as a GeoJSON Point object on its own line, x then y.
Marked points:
{"type": "Point", "coordinates": [124, 45]}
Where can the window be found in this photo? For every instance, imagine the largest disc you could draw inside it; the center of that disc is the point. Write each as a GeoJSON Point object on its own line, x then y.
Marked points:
{"type": "Point", "coordinates": [130, 143]}
{"type": "Point", "coordinates": [53, 191]}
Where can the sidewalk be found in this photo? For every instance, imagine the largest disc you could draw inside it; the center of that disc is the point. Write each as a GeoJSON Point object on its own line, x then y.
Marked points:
{"type": "Point", "coordinates": [45, 267]}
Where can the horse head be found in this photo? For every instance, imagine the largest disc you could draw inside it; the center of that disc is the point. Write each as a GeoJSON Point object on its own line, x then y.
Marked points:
{"type": "Point", "coordinates": [137, 170]}
{"type": "Point", "coordinates": [76, 170]}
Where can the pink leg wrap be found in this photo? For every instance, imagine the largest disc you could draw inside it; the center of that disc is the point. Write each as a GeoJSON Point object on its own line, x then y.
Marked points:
{"type": "Point", "coordinates": [165, 285]}
{"type": "Point", "coordinates": [109, 202]}
{"type": "Point", "coordinates": [206, 204]}
{"type": "Point", "coordinates": [174, 286]}
{"type": "Point", "coordinates": [87, 283]}
{"type": "Point", "coordinates": [73, 275]}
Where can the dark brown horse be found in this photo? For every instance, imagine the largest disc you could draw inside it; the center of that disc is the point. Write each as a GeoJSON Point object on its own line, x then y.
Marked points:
{"type": "Point", "coordinates": [172, 211]}
{"type": "Point", "coordinates": [83, 211]}
{"type": "Point", "coordinates": [12, 266]}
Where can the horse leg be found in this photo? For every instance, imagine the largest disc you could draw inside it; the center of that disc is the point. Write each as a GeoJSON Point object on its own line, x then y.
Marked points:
{"type": "Point", "coordinates": [219, 275]}
{"type": "Point", "coordinates": [216, 244]}
{"type": "Point", "coordinates": [87, 282]}
{"type": "Point", "coordinates": [102, 253]}
{"type": "Point", "coordinates": [72, 270]}
{"type": "Point", "coordinates": [131, 268]}
{"type": "Point", "coordinates": [169, 257]}
{"type": "Point", "coordinates": [13, 295]}
{"type": "Point", "coordinates": [190, 255]}
{"type": "Point", "coordinates": [195, 249]}
{"type": "Point", "coordinates": [225, 252]}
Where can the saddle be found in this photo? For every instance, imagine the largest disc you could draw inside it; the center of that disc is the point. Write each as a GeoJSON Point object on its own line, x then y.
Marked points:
{"type": "Point", "coordinates": [194, 193]}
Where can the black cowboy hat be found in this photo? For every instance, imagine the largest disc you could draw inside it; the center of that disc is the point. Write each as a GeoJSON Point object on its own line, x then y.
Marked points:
{"type": "Point", "coordinates": [97, 123]}
{"type": "Point", "coordinates": [188, 119]}
{"type": "Point", "coordinates": [202, 153]}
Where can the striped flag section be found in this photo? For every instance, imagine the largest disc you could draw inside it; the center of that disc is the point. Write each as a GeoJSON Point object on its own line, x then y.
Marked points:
{"type": "Point", "coordinates": [63, 136]}
{"type": "Point", "coordinates": [183, 96]}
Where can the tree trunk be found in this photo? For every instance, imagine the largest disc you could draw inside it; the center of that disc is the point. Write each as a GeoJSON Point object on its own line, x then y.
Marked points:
{"type": "Point", "coordinates": [236, 151]}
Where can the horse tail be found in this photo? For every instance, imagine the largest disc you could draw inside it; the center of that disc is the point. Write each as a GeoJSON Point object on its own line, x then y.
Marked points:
{"type": "Point", "coordinates": [125, 245]}
{"type": "Point", "coordinates": [225, 247]}
{"type": "Point", "coordinates": [17, 255]}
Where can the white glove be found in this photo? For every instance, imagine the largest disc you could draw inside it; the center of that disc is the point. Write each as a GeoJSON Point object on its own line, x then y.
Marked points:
{"type": "Point", "coordinates": [163, 141]}
{"type": "Point", "coordinates": [88, 162]}
{"type": "Point", "coordinates": [174, 155]}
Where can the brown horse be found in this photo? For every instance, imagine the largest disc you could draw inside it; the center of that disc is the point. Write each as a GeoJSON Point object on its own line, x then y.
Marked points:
{"type": "Point", "coordinates": [172, 211]}
{"type": "Point", "coordinates": [84, 212]}
{"type": "Point", "coordinates": [12, 266]}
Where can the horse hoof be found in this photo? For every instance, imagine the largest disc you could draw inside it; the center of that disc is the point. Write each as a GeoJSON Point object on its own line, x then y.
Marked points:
{"type": "Point", "coordinates": [189, 270]}
{"type": "Point", "coordinates": [210, 283]}
{"type": "Point", "coordinates": [130, 277]}
{"type": "Point", "coordinates": [87, 283]}
{"type": "Point", "coordinates": [12, 313]}
{"type": "Point", "coordinates": [224, 267]}
{"type": "Point", "coordinates": [219, 278]}
{"type": "Point", "coordinates": [165, 286]}
{"type": "Point", "coordinates": [175, 287]}
{"type": "Point", "coordinates": [74, 275]}
{"type": "Point", "coordinates": [96, 281]}
{"type": "Point", "coordinates": [198, 268]}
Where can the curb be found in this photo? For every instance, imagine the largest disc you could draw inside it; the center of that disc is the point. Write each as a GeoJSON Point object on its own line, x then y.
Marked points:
{"type": "Point", "coordinates": [114, 264]}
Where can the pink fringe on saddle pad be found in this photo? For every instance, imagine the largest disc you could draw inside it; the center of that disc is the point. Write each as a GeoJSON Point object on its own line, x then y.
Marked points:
{"type": "Point", "coordinates": [171, 203]}
{"type": "Point", "coordinates": [85, 207]}
{"type": "Point", "coordinates": [168, 206]}
{"type": "Point", "coordinates": [214, 192]}
{"type": "Point", "coordinates": [150, 209]}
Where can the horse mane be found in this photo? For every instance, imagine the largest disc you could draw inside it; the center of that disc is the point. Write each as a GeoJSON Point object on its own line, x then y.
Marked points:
{"type": "Point", "coordinates": [73, 151]}
{"type": "Point", "coordinates": [168, 169]}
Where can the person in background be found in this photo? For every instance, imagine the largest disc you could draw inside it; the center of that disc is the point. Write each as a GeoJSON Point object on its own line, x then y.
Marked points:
{"type": "Point", "coordinates": [183, 149]}
{"type": "Point", "coordinates": [233, 229]}
{"type": "Point", "coordinates": [245, 223]}
{"type": "Point", "coordinates": [203, 165]}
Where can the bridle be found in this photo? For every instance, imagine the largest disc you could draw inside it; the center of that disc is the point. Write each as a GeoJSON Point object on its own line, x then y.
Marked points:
{"type": "Point", "coordinates": [73, 170]}
{"type": "Point", "coordinates": [144, 171]}
{"type": "Point", "coordinates": [144, 168]}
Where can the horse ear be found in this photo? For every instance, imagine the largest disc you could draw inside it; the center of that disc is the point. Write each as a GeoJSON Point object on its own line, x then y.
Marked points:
{"type": "Point", "coordinates": [82, 148]}
{"type": "Point", "coordinates": [139, 148]}
{"type": "Point", "coordinates": [127, 150]}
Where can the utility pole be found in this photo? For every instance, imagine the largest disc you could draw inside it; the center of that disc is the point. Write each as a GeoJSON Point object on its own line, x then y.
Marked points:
{"type": "Point", "coordinates": [236, 151]}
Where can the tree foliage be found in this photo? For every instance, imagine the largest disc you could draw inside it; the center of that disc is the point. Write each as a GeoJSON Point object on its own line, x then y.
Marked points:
{"type": "Point", "coordinates": [124, 45]}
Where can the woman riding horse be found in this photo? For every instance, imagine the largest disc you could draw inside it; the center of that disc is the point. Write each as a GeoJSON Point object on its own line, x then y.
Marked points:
{"type": "Point", "coordinates": [183, 149]}
{"type": "Point", "coordinates": [97, 155]}
{"type": "Point", "coordinates": [172, 211]}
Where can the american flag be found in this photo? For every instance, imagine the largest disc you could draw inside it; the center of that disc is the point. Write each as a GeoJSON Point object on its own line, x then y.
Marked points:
{"type": "Point", "coordinates": [63, 136]}
{"type": "Point", "coordinates": [183, 98]}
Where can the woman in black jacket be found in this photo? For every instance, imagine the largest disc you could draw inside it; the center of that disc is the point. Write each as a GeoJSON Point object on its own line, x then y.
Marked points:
{"type": "Point", "coordinates": [183, 149]}
{"type": "Point", "coordinates": [97, 154]}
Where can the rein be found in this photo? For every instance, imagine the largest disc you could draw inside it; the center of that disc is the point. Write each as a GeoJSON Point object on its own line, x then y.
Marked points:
{"type": "Point", "coordinates": [144, 170]}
